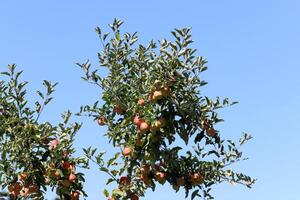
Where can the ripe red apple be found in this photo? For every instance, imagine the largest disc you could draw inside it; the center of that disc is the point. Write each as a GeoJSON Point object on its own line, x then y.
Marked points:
{"type": "Point", "coordinates": [134, 197]}
{"type": "Point", "coordinates": [75, 195]}
{"type": "Point", "coordinates": [180, 181]}
{"type": "Point", "coordinates": [161, 177]}
{"type": "Point", "coordinates": [211, 132]}
{"type": "Point", "coordinates": [66, 165]}
{"type": "Point", "coordinates": [53, 144]}
{"type": "Point", "coordinates": [157, 95]}
{"type": "Point", "coordinates": [119, 110]}
{"type": "Point", "coordinates": [125, 180]}
{"type": "Point", "coordinates": [141, 102]}
{"type": "Point", "coordinates": [127, 151]}
{"type": "Point", "coordinates": [72, 177]}
{"type": "Point", "coordinates": [15, 194]}
{"type": "Point", "coordinates": [18, 186]}
{"type": "Point", "coordinates": [15, 187]}
{"type": "Point", "coordinates": [137, 120]}
{"type": "Point", "coordinates": [101, 120]}
{"type": "Point", "coordinates": [196, 178]}
{"type": "Point", "coordinates": [144, 126]}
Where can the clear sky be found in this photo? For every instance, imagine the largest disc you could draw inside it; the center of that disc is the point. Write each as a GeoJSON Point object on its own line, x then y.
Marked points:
{"type": "Point", "coordinates": [252, 49]}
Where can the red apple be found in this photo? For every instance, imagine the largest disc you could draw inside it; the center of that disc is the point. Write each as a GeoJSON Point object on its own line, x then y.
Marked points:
{"type": "Point", "coordinates": [127, 151]}
{"type": "Point", "coordinates": [137, 120]}
{"type": "Point", "coordinates": [160, 177]}
{"type": "Point", "coordinates": [141, 102]}
{"type": "Point", "coordinates": [75, 195]}
{"type": "Point", "coordinates": [196, 178]}
{"type": "Point", "coordinates": [134, 197]}
{"type": "Point", "coordinates": [144, 126]}
{"type": "Point", "coordinates": [72, 177]}
{"type": "Point", "coordinates": [180, 181]}
{"type": "Point", "coordinates": [101, 120]}
{"type": "Point", "coordinates": [125, 180]}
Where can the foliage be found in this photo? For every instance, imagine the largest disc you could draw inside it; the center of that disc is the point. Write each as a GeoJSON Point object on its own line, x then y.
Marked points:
{"type": "Point", "coordinates": [35, 155]}
{"type": "Point", "coordinates": [155, 112]}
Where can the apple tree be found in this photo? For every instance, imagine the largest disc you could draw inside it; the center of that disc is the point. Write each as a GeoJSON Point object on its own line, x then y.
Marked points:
{"type": "Point", "coordinates": [156, 115]}
{"type": "Point", "coordinates": [35, 155]}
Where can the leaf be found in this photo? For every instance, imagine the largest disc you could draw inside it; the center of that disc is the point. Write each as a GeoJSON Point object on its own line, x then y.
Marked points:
{"type": "Point", "coordinates": [104, 169]}
{"type": "Point", "coordinates": [106, 193]}
{"type": "Point", "coordinates": [118, 36]}
{"type": "Point", "coordinates": [194, 194]}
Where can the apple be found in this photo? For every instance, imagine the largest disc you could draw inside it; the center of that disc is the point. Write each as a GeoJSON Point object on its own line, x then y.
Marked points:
{"type": "Point", "coordinates": [141, 102]}
{"type": "Point", "coordinates": [196, 178]}
{"type": "Point", "coordinates": [53, 144]}
{"type": "Point", "coordinates": [144, 126]}
{"type": "Point", "coordinates": [137, 120]}
{"type": "Point", "coordinates": [101, 120]}
{"type": "Point", "coordinates": [157, 95]}
{"type": "Point", "coordinates": [66, 165]}
{"type": "Point", "coordinates": [211, 132]}
{"type": "Point", "coordinates": [75, 195]}
{"type": "Point", "coordinates": [119, 110]}
{"type": "Point", "coordinates": [180, 181]}
{"type": "Point", "coordinates": [125, 180]}
{"type": "Point", "coordinates": [134, 197]}
{"type": "Point", "coordinates": [127, 151]}
{"type": "Point", "coordinates": [18, 186]}
{"type": "Point", "coordinates": [15, 187]}
{"type": "Point", "coordinates": [72, 177]}
{"type": "Point", "coordinates": [161, 177]}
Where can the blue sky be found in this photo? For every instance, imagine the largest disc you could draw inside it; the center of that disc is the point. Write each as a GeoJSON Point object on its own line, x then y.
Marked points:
{"type": "Point", "coordinates": [252, 48]}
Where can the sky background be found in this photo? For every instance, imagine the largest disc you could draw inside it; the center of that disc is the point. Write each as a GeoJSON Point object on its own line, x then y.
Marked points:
{"type": "Point", "coordinates": [252, 48]}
